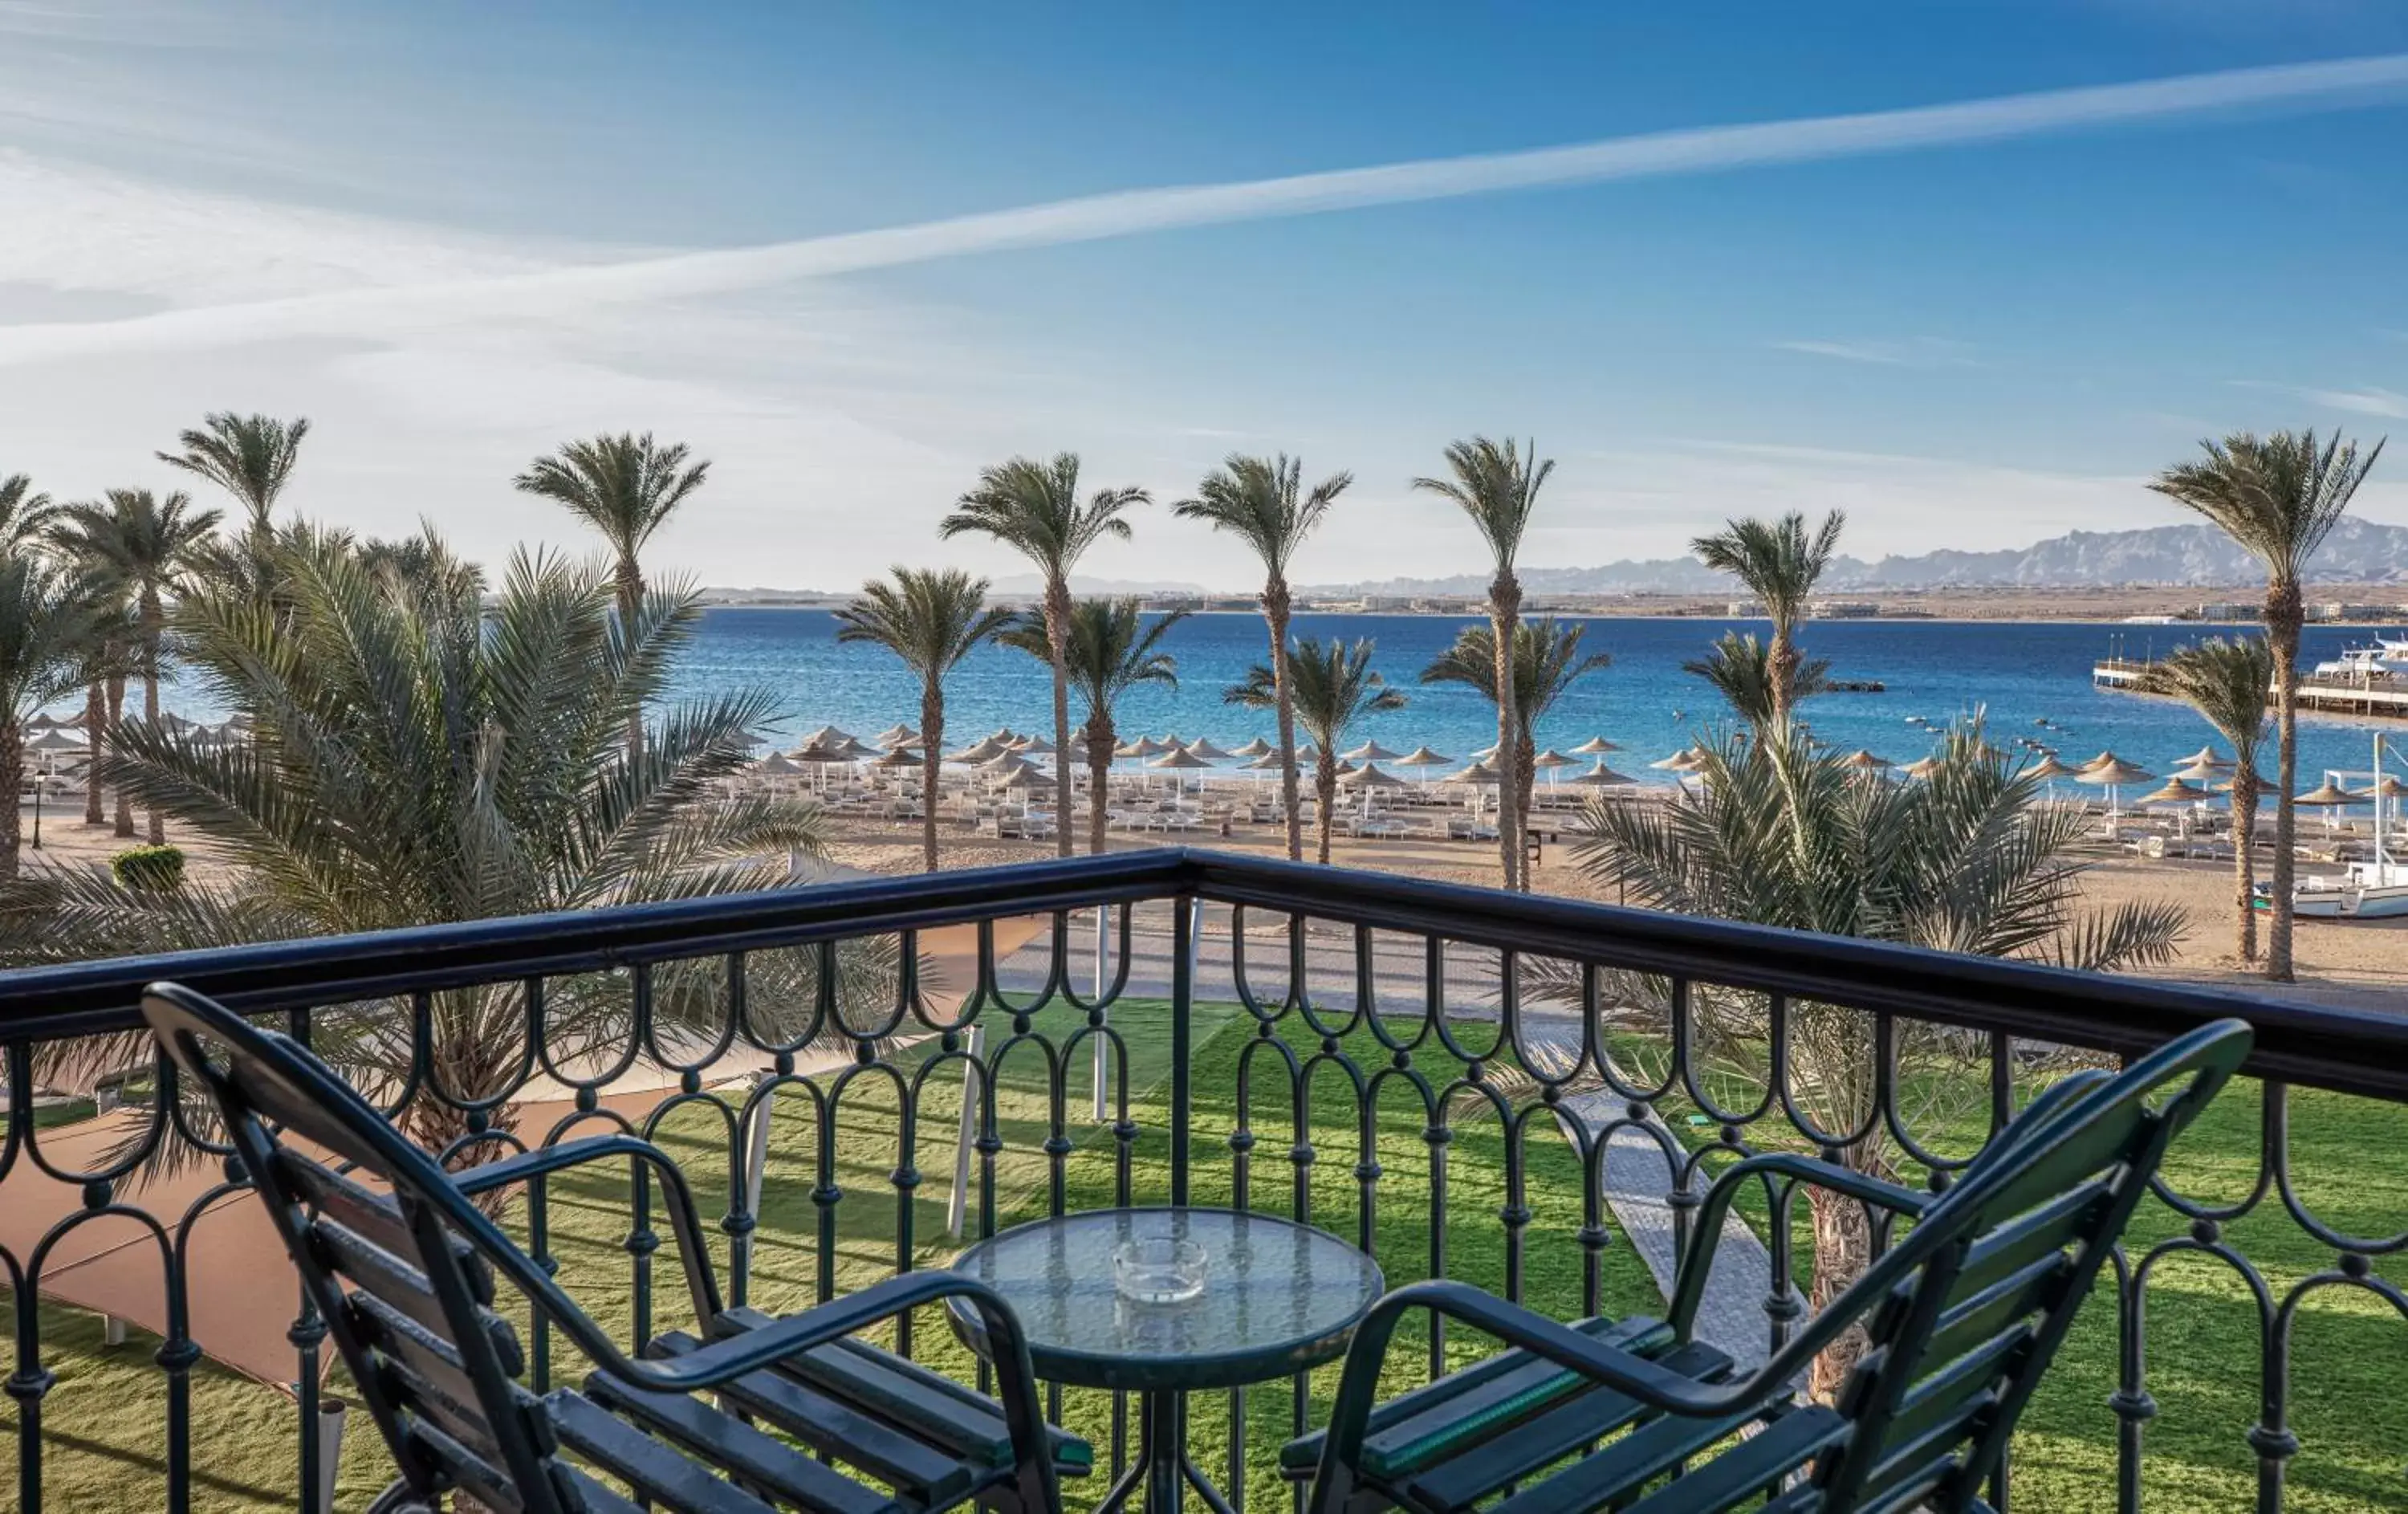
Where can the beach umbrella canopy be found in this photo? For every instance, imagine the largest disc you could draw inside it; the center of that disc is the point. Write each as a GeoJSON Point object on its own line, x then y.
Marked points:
{"type": "Point", "coordinates": [1025, 778]}
{"type": "Point", "coordinates": [2205, 758]}
{"type": "Point", "coordinates": [2330, 792]}
{"type": "Point", "coordinates": [2116, 773]}
{"type": "Point", "coordinates": [1553, 758]}
{"type": "Point", "coordinates": [2173, 792]}
{"type": "Point", "coordinates": [1681, 761]}
{"type": "Point", "coordinates": [1172, 740]}
{"type": "Point", "coordinates": [1202, 748]}
{"type": "Point", "coordinates": [1864, 761]}
{"type": "Point", "coordinates": [823, 755]}
{"type": "Point", "coordinates": [901, 757]}
{"type": "Point", "coordinates": [1258, 747]}
{"type": "Point", "coordinates": [41, 722]}
{"type": "Point", "coordinates": [827, 736]}
{"type": "Point", "coordinates": [1370, 777]}
{"type": "Point", "coordinates": [1595, 746]}
{"type": "Point", "coordinates": [1003, 762]}
{"type": "Point", "coordinates": [1603, 776]}
{"type": "Point", "coordinates": [1479, 772]}
{"type": "Point", "coordinates": [1144, 746]}
{"type": "Point", "coordinates": [854, 751]}
{"type": "Point", "coordinates": [1179, 756]}
{"type": "Point", "coordinates": [777, 762]}
{"type": "Point", "coordinates": [1422, 757]}
{"type": "Point", "coordinates": [1372, 752]}
{"type": "Point", "coordinates": [1265, 763]}
{"type": "Point", "coordinates": [980, 752]}
{"type": "Point", "coordinates": [56, 740]}
{"type": "Point", "coordinates": [2101, 760]}
{"type": "Point", "coordinates": [2199, 772]}
{"type": "Point", "coordinates": [2391, 788]}
{"type": "Point", "coordinates": [1033, 746]}
{"type": "Point", "coordinates": [1004, 736]}
{"type": "Point", "coordinates": [898, 734]}
{"type": "Point", "coordinates": [1307, 752]}
{"type": "Point", "coordinates": [2048, 766]}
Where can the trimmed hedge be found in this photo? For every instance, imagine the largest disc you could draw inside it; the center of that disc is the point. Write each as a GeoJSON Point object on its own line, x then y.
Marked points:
{"type": "Point", "coordinates": [149, 869]}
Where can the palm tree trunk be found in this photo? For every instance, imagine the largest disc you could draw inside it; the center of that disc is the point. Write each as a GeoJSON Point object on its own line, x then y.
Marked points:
{"type": "Point", "coordinates": [1058, 643]}
{"type": "Point", "coordinates": [1504, 613]}
{"type": "Point", "coordinates": [13, 771]}
{"type": "Point", "coordinates": [95, 731]}
{"type": "Point", "coordinates": [1780, 662]}
{"type": "Point", "coordinates": [1525, 751]}
{"type": "Point", "coordinates": [1843, 1249]}
{"type": "Point", "coordinates": [932, 727]}
{"type": "Point", "coordinates": [1275, 611]}
{"type": "Point", "coordinates": [1100, 738]}
{"type": "Point", "coordinates": [2244, 869]}
{"type": "Point", "coordinates": [153, 626]}
{"type": "Point", "coordinates": [116, 714]}
{"type": "Point", "coordinates": [631, 602]}
{"type": "Point", "coordinates": [2283, 616]}
{"type": "Point", "coordinates": [1325, 788]}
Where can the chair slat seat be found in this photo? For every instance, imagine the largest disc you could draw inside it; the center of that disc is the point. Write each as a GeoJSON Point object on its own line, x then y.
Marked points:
{"type": "Point", "coordinates": [744, 1453]}
{"type": "Point", "coordinates": [1737, 1479]}
{"type": "Point", "coordinates": [610, 1444]}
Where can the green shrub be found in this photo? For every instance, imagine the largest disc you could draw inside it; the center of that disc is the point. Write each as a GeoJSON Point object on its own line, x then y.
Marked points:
{"type": "Point", "coordinates": [150, 869]}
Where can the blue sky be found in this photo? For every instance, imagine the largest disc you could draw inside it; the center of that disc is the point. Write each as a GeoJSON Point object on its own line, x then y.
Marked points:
{"type": "Point", "coordinates": [452, 235]}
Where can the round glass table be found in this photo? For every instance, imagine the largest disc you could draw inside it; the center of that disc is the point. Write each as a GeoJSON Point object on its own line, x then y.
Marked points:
{"type": "Point", "coordinates": [1277, 1297]}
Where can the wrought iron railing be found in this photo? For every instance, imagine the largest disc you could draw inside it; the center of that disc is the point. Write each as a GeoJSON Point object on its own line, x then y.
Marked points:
{"type": "Point", "coordinates": [1457, 1078]}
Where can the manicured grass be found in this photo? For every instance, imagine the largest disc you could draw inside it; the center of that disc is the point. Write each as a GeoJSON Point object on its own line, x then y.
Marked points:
{"type": "Point", "coordinates": [2351, 1352]}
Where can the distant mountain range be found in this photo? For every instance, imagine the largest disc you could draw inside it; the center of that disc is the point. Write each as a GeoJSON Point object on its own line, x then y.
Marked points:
{"type": "Point", "coordinates": [2201, 556]}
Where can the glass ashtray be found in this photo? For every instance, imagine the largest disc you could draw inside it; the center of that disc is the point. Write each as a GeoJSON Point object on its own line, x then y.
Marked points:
{"type": "Point", "coordinates": [1159, 1269]}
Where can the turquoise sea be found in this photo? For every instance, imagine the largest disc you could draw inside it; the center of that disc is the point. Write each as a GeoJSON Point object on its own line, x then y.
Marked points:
{"type": "Point", "coordinates": [2019, 674]}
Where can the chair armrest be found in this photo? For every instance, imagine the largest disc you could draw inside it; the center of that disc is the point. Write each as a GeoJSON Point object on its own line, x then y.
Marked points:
{"type": "Point", "coordinates": [1689, 1285]}
{"type": "Point", "coordinates": [685, 1222]}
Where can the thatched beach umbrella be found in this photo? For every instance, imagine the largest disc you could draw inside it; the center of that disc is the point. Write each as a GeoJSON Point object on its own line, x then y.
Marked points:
{"type": "Point", "coordinates": [2101, 760]}
{"type": "Point", "coordinates": [1179, 761]}
{"type": "Point", "coordinates": [1864, 761]}
{"type": "Point", "coordinates": [1595, 746]}
{"type": "Point", "coordinates": [827, 736]}
{"type": "Point", "coordinates": [2174, 791]}
{"type": "Point", "coordinates": [1372, 752]}
{"type": "Point", "coordinates": [1554, 763]}
{"type": "Point", "coordinates": [2391, 788]}
{"type": "Point", "coordinates": [1479, 772]}
{"type": "Point", "coordinates": [57, 741]}
{"type": "Point", "coordinates": [1603, 776]}
{"type": "Point", "coordinates": [2048, 766]}
{"type": "Point", "coordinates": [898, 734]}
{"type": "Point", "coordinates": [901, 757]}
{"type": "Point", "coordinates": [1033, 746]}
{"type": "Point", "coordinates": [982, 751]}
{"type": "Point", "coordinates": [1202, 747]}
{"type": "Point", "coordinates": [2112, 775]}
{"type": "Point", "coordinates": [1680, 761]}
{"type": "Point", "coordinates": [1258, 747]}
{"type": "Point", "coordinates": [2330, 793]}
{"type": "Point", "coordinates": [778, 765]}
{"type": "Point", "coordinates": [1370, 777]}
{"type": "Point", "coordinates": [2205, 758]}
{"type": "Point", "coordinates": [1144, 746]}
{"type": "Point", "coordinates": [2199, 772]}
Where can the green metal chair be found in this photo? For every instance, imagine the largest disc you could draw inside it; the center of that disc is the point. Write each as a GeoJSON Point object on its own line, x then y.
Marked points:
{"type": "Point", "coordinates": [405, 1283]}
{"type": "Point", "coordinates": [1964, 1313]}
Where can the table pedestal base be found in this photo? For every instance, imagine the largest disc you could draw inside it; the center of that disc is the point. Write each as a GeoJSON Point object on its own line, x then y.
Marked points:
{"type": "Point", "coordinates": [1163, 1465]}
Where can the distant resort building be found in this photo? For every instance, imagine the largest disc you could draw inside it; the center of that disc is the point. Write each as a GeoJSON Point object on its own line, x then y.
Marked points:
{"type": "Point", "coordinates": [1843, 610]}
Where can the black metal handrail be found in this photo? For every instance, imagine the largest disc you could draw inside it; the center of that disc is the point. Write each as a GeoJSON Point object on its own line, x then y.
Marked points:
{"type": "Point", "coordinates": [2346, 1050]}
{"type": "Point", "coordinates": [1993, 1009]}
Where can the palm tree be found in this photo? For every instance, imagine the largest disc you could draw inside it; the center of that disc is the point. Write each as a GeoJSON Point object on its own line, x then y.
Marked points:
{"type": "Point", "coordinates": [2278, 496]}
{"type": "Point", "coordinates": [250, 456]}
{"type": "Point", "coordinates": [1964, 861]}
{"type": "Point", "coordinates": [1779, 563]}
{"type": "Point", "coordinates": [145, 546]}
{"type": "Point", "coordinates": [1333, 685]}
{"type": "Point", "coordinates": [626, 487]}
{"type": "Point", "coordinates": [1263, 503]}
{"type": "Point", "coordinates": [2227, 681]}
{"type": "Point", "coordinates": [45, 624]}
{"type": "Point", "coordinates": [930, 620]}
{"type": "Point", "coordinates": [1112, 650]}
{"type": "Point", "coordinates": [1547, 662]}
{"type": "Point", "coordinates": [1034, 509]}
{"type": "Point", "coordinates": [1497, 484]}
{"type": "Point", "coordinates": [419, 757]}
{"type": "Point", "coordinates": [25, 514]}
{"type": "Point", "coordinates": [1740, 669]}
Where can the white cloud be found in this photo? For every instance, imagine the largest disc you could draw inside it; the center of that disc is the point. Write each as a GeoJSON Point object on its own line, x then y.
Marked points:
{"type": "Point", "coordinates": [2385, 402]}
{"type": "Point", "coordinates": [1918, 352]}
{"type": "Point", "coordinates": [379, 313]}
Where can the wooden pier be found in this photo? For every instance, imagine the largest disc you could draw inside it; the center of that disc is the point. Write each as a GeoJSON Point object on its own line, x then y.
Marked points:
{"type": "Point", "coordinates": [2324, 695]}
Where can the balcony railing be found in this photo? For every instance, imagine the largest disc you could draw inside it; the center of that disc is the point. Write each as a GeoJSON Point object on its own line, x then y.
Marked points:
{"type": "Point", "coordinates": [1527, 1092]}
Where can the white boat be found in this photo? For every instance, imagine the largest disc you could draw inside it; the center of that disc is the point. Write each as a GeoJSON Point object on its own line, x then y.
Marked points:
{"type": "Point", "coordinates": [2385, 658]}
{"type": "Point", "coordinates": [2375, 890]}
{"type": "Point", "coordinates": [2368, 892]}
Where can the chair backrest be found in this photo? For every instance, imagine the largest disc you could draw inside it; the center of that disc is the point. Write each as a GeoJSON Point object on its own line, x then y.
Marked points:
{"type": "Point", "coordinates": [408, 1300]}
{"type": "Point", "coordinates": [1971, 1304]}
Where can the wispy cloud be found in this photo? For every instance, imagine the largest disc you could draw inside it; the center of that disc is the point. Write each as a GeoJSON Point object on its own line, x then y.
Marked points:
{"type": "Point", "coordinates": [568, 290]}
{"type": "Point", "coordinates": [2372, 401]}
{"type": "Point", "coordinates": [1918, 352]}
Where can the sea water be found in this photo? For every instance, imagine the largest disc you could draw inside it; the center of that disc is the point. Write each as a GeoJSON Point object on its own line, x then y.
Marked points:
{"type": "Point", "coordinates": [2014, 675]}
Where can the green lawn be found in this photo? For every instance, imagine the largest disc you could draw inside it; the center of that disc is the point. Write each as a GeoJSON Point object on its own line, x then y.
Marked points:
{"type": "Point", "coordinates": [2352, 1354]}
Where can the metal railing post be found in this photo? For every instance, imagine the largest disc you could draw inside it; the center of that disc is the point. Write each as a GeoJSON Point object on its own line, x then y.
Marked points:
{"type": "Point", "coordinates": [1183, 911]}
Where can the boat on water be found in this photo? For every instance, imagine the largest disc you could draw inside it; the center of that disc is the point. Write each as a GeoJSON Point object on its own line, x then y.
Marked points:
{"type": "Point", "coordinates": [2386, 658]}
